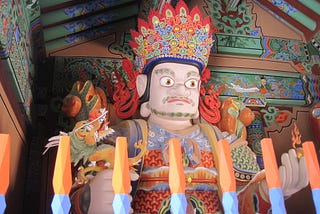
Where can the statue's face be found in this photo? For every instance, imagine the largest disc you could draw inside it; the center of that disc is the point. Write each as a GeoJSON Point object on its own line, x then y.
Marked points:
{"type": "Point", "coordinates": [174, 91]}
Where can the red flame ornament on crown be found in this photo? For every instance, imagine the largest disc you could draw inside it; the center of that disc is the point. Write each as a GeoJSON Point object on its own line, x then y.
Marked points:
{"type": "Point", "coordinates": [173, 35]}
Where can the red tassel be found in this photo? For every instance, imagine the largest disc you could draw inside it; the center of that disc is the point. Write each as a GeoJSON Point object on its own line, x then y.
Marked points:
{"type": "Point", "coordinates": [209, 102]}
{"type": "Point", "coordinates": [126, 95]}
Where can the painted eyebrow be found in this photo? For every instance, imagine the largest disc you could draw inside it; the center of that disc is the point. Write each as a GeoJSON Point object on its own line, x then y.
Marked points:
{"type": "Point", "coordinates": [164, 71]}
{"type": "Point", "coordinates": [193, 73]}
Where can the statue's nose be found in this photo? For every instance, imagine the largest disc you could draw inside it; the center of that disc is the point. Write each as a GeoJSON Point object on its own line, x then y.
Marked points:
{"type": "Point", "coordinates": [180, 89]}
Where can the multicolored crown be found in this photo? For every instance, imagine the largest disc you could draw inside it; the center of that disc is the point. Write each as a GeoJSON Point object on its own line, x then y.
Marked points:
{"type": "Point", "coordinates": [172, 35]}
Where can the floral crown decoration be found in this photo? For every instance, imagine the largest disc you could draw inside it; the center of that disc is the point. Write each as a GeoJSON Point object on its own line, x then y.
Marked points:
{"type": "Point", "coordinates": [172, 35]}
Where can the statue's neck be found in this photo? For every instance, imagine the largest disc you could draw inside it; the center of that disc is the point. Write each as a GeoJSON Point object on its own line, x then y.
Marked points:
{"type": "Point", "coordinates": [170, 124]}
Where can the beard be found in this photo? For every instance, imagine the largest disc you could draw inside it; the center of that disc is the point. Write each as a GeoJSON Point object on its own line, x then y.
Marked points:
{"type": "Point", "coordinates": [175, 114]}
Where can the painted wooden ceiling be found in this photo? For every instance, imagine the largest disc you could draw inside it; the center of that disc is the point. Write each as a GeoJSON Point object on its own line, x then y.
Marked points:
{"type": "Point", "coordinates": [69, 23]}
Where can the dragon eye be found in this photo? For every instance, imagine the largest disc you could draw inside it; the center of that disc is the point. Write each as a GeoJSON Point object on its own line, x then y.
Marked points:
{"type": "Point", "coordinates": [192, 83]}
{"type": "Point", "coordinates": [166, 81]}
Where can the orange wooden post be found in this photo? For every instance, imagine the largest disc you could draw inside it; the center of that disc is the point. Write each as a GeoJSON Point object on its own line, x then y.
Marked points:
{"type": "Point", "coordinates": [62, 178]}
{"type": "Point", "coordinates": [226, 178]}
{"type": "Point", "coordinates": [177, 182]}
{"type": "Point", "coordinates": [176, 173]}
{"type": "Point", "coordinates": [310, 155]}
{"type": "Point", "coordinates": [121, 177]}
{"type": "Point", "coordinates": [226, 174]}
{"type": "Point", "coordinates": [272, 176]}
{"type": "Point", "coordinates": [4, 168]}
{"type": "Point", "coordinates": [270, 164]}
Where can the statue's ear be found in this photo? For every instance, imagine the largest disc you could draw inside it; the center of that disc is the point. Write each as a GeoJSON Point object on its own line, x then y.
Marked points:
{"type": "Point", "coordinates": [141, 84]}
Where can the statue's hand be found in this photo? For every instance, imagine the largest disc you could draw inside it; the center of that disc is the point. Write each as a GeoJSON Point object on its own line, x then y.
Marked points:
{"type": "Point", "coordinates": [293, 173]}
{"type": "Point", "coordinates": [102, 192]}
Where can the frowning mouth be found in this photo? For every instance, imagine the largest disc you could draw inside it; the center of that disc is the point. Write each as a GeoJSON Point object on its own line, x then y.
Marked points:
{"type": "Point", "coordinates": [184, 100]}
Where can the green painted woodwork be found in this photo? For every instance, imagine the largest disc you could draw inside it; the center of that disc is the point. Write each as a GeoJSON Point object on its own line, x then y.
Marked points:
{"type": "Point", "coordinates": [71, 69]}
{"type": "Point", "coordinates": [239, 45]}
{"type": "Point", "coordinates": [266, 87]}
{"type": "Point", "coordinates": [123, 46]}
{"type": "Point", "coordinates": [50, 3]}
{"type": "Point", "coordinates": [261, 72]}
{"type": "Point", "coordinates": [294, 13]}
{"type": "Point", "coordinates": [312, 4]}
{"type": "Point", "coordinates": [305, 20]}
{"type": "Point", "coordinates": [289, 102]}
{"type": "Point", "coordinates": [304, 55]}
{"type": "Point", "coordinates": [281, 88]}
{"type": "Point", "coordinates": [33, 9]}
{"type": "Point", "coordinates": [230, 20]}
{"type": "Point", "coordinates": [88, 35]}
{"type": "Point", "coordinates": [85, 24]}
{"type": "Point", "coordinates": [6, 31]}
{"type": "Point", "coordinates": [269, 115]}
{"type": "Point", "coordinates": [76, 11]}
{"type": "Point", "coordinates": [13, 79]}
{"type": "Point", "coordinates": [15, 51]}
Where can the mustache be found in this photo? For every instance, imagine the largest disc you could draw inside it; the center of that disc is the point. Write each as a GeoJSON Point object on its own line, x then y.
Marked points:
{"type": "Point", "coordinates": [178, 99]}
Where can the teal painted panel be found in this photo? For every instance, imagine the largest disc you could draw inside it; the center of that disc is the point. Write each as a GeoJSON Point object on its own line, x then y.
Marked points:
{"type": "Point", "coordinates": [239, 51]}
{"type": "Point", "coordinates": [305, 20]}
{"type": "Point", "coordinates": [294, 13]}
{"type": "Point", "coordinates": [268, 86]}
{"type": "Point", "coordinates": [312, 4]}
{"type": "Point", "coordinates": [239, 45]}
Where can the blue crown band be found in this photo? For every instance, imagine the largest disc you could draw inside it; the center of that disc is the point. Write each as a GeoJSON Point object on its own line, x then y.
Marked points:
{"type": "Point", "coordinates": [151, 64]}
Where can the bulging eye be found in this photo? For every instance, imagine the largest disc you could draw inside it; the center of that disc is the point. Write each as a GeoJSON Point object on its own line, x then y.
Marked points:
{"type": "Point", "coordinates": [192, 83]}
{"type": "Point", "coordinates": [166, 81]}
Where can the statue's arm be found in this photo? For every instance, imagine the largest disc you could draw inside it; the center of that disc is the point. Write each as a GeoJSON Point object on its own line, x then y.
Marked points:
{"type": "Point", "coordinates": [96, 196]}
{"type": "Point", "coordinates": [253, 193]}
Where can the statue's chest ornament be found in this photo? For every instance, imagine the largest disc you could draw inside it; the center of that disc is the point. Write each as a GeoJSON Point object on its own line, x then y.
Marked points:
{"type": "Point", "coordinates": [191, 144]}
